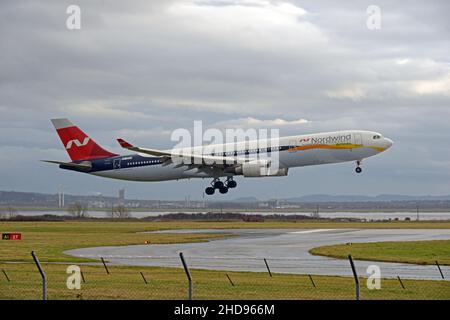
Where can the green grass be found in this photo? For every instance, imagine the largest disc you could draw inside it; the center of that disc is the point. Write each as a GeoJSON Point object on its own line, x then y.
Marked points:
{"type": "Point", "coordinates": [418, 252]}
{"type": "Point", "coordinates": [170, 283]}
{"type": "Point", "coordinates": [51, 239]}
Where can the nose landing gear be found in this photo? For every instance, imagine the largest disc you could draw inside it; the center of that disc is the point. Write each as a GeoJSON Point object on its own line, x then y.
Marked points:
{"type": "Point", "coordinates": [358, 166]}
{"type": "Point", "coordinates": [222, 187]}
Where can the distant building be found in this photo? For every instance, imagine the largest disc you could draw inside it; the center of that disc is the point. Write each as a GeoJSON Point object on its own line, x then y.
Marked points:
{"type": "Point", "coordinates": [273, 203]}
{"type": "Point", "coordinates": [61, 197]}
{"type": "Point", "coordinates": [121, 197]}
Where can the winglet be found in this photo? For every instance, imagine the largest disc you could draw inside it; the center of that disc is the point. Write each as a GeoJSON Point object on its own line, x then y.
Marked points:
{"type": "Point", "coordinates": [124, 144]}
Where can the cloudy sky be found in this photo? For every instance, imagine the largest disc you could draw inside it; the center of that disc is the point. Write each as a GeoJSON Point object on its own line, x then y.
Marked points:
{"type": "Point", "coordinates": [140, 69]}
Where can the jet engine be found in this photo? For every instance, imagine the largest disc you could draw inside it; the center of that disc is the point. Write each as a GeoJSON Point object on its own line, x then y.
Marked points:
{"type": "Point", "coordinates": [260, 168]}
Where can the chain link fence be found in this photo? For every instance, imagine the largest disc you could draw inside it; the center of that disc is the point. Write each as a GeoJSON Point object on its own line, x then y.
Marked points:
{"type": "Point", "coordinates": [104, 281]}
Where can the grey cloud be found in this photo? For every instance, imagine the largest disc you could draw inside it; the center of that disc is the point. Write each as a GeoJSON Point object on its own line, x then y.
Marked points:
{"type": "Point", "coordinates": [143, 69]}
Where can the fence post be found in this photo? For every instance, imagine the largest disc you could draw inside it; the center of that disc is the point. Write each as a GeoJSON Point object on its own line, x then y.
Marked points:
{"type": "Point", "coordinates": [401, 282]}
{"type": "Point", "coordinates": [267, 266]}
{"type": "Point", "coordinates": [355, 275]}
{"type": "Point", "coordinates": [312, 281]}
{"type": "Point", "coordinates": [440, 271]}
{"type": "Point", "coordinates": [6, 275]}
{"type": "Point", "coordinates": [143, 277]}
{"type": "Point", "coordinates": [44, 277]}
{"type": "Point", "coordinates": [104, 264]}
{"type": "Point", "coordinates": [82, 276]}
{"type": "Point", "coordinates": [229, 279]}
{"type": "Point", "coordinates": [188, 274]}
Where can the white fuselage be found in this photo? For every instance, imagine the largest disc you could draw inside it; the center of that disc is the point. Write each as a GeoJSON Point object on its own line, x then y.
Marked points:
{"type": "Point", "coordinates": [292, 151]}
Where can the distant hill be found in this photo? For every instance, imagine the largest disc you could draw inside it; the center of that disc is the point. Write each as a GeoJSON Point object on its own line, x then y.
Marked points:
{"type": "Point", "coordinates": [329, 198]}
{"type": "Point", "coordinates": [246, 200]}
{"type": "Point", "coordinates": [338, 202]}
{"type": "Point", "coordinates": [362, 198]}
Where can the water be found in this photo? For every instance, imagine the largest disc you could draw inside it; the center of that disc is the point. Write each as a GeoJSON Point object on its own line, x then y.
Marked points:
{"type": "Point", "coordinates": [388, 215]}
{"type": "Point", "coordinates": [343, 214]}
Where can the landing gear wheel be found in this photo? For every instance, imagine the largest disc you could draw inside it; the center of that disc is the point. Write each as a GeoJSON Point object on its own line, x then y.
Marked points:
{"type": "Point", "coordinates": [358, 169]}
{"type": "Point", "coordinates": [231, 184]}
{"type": "Point", "coordinates": [218, 184]}
{"type": "Point", "coordinates": [223, 190]}
{"type": "Point", "coordinates": [209, 190]}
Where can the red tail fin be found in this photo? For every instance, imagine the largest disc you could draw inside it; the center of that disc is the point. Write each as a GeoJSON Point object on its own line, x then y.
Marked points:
{"type": "Point", "coordinates": [78, 145]}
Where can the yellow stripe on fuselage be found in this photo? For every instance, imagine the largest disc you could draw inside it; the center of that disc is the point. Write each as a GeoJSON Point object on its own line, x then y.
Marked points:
{"type": "Point", "coordinates": [333, 146]}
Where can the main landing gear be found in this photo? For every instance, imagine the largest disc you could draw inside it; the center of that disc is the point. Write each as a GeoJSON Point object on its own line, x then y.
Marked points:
{"type": "Point", "coordinates": [358, 166]}
{"type": "Point", "coordinates": [222, 187]}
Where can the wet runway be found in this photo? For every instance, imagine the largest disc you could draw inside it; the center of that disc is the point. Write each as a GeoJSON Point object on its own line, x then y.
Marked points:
{"type": "Point", "coordinates": [286, 251]}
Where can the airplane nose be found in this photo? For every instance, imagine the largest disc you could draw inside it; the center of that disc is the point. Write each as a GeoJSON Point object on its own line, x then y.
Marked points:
{"type": "Point", "coordinates": [389, 142]}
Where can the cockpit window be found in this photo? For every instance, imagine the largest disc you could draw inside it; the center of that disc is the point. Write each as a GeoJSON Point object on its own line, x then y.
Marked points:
{"type": "Point", "coordinates": [377, 136]}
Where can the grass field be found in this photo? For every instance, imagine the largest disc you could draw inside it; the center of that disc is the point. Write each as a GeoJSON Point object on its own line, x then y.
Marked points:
{"type": "Point", "coordinates": [51, 239]}
{"type": "Point", "coordinates": [171, 283]}
{"type": "Point", "coordinates": [419, 252]}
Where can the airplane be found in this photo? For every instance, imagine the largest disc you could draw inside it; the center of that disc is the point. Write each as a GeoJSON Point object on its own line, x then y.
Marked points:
{"type": "Point", "coordinates": [247, 158]}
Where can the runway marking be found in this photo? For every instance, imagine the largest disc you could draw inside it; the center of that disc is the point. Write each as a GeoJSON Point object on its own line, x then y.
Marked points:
{"type": "Point", "coordinates": [312, 231]}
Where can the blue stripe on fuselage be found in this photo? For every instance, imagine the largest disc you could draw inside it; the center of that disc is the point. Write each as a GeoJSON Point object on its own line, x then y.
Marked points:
{"type": "Point", "coordinates": [135, 160]}
{"type": "Point", "coordinates": [123, 162]}
{"type": "Point", "coordinates": [115, 163]}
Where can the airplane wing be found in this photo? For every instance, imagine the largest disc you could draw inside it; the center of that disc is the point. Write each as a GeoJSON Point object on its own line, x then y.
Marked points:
{"type": "Point", "coordinates": [195, 159]}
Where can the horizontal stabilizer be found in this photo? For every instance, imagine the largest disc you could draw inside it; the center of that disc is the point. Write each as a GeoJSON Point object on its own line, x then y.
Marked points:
{"type": "Point", "coordinates": [84, 166]}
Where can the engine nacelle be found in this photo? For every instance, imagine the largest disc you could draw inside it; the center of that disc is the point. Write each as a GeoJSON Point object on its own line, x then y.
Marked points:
{"type": "Point", "coordinates": [260, 168]}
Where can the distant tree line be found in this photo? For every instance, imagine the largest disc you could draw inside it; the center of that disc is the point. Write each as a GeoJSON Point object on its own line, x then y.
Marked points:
{"type": "Point", "coordinates": [8, 212]}
{"type": "Point", "coordinates": [78, 210]}
{"type": "Point", "coordinates": [230, 216]}
{"type": "Point", "coordinates": [120, 212]}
